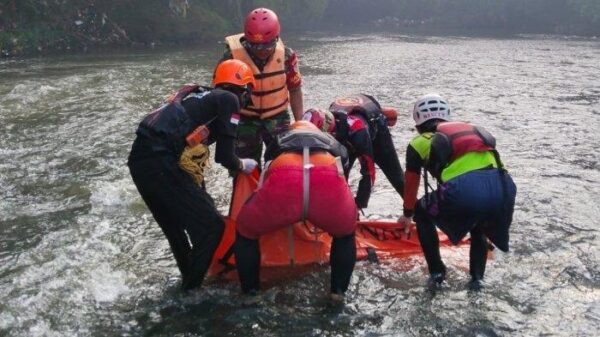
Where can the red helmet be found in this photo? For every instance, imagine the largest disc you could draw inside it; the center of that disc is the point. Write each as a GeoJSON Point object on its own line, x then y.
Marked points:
{"type": "Point", "coordinates": [261, 26]}
{"type": "Point", "coordinates": [323, 119]}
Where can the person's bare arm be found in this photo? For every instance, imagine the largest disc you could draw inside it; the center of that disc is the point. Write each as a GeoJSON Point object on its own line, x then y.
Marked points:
{"type": "Point", "coordinates": [296, 103]}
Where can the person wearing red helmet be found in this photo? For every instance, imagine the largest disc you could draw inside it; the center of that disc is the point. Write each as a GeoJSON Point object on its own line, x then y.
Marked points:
{"type": "Point", "coordinates": [278, 81]}
{"type": "Point", "coordinates": [304, 178]}
{"type": "Point", "coordinates": [168, 158]}
{"type": "Point", "coordinates": [362, 126]}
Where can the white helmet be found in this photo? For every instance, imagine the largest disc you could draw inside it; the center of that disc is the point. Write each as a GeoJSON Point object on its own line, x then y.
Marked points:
{"type": "Point", "coordinates": [431, 106]}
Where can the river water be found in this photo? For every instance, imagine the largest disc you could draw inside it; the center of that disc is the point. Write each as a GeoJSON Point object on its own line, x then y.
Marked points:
{"type": "Point", "coordinates": [80, 254]}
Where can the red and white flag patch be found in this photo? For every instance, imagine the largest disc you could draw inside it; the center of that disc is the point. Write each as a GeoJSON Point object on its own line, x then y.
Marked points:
{"type": "Point", "coordinates": [235, 118]}
{"type": "Point", "coordinates": [355, 124]}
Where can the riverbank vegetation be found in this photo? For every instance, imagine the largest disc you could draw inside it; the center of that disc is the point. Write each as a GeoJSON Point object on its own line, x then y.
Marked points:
{"type": "Point", "coordinates": [40, 26]}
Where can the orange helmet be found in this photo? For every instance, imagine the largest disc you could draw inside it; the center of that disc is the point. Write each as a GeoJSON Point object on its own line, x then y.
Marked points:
{"type": "Point", "coordinates": [303, 125]}
{"type": "Point", "coordinates": [391, 115]}
{"type": "Point", "coordinates": [234, 72]}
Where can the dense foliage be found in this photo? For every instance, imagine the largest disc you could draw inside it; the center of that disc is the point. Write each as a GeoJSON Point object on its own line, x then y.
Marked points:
{"type": "Point", "coordinates": [512, 16]}
{"type": "Point", "coordinates": [28, 26]}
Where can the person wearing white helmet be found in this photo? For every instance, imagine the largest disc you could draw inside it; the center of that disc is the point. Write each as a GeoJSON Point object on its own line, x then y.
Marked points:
{"type": "Point", "coordinates": [475, 194]}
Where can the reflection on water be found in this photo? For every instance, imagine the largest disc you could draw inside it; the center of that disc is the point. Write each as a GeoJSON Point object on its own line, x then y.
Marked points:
{"type": "Point", "coordinates": [80, 254]}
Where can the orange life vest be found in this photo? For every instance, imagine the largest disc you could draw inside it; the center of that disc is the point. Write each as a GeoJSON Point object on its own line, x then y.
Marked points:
{"type": "Point", "coordinates": [270, 97]}
{"type": "Point", "coordinates": [295, 159]}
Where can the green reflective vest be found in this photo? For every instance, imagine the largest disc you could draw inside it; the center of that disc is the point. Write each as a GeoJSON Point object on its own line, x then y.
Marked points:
{"type": "Point", "coordinates": [466, 163]}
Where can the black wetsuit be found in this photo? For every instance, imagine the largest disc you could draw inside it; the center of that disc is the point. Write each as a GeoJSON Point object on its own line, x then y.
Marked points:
{"type": "Point", "coordinates": [184, 210]}
{"type": "Point", "coordinates": [371, 143]}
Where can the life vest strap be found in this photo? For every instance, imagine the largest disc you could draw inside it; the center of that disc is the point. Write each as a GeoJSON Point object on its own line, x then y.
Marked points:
{"type": "Point", "coordinates": [305, 181]}
{"type": "Point", "coordinates": [260, 111]}
{"type": "Point", "coordinates": [268, 92]}
{"type": "Point", "coordinates": [261, 179]}
{"type": "Point", "coordinates": [261, 76]}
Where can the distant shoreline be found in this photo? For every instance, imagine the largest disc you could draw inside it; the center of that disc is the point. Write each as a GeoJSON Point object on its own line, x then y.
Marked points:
{"type": "Point", "coordinates": [34, 28]}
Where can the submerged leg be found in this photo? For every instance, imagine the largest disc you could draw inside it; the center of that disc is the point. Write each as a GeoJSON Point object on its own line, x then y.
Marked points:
{"type": "Point", "coordinates": [430, 244]}
{"type": "Point", "coordinates": [247, 257]}
{"type": "Point", "coordinates": [477, 253]}
{"type": "Point", "coordinates": [342, 260]}
{"type": "Point", "coordinates": [178, 241]}
{"type": "Point", "coordinates": [175, 202]}
{"type": "Point", "coordinates": [204, 226]}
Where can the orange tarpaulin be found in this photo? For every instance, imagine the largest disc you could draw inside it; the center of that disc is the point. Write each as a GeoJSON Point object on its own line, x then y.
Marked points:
{"type": "Point", "coordinates": [380, 239]}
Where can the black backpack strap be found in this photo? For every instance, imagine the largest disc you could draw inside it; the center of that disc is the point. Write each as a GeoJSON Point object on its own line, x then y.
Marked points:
{"type": "Point", "coordinates": [498, 161]}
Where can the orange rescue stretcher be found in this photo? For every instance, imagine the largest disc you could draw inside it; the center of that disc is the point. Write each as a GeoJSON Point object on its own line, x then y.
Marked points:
{"type": "Point", "coordinates": [303, 243]}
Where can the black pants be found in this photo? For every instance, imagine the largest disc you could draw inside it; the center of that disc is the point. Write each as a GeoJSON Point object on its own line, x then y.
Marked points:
{"type": "Point", "coordinates": [426, 228]}
{"type": "Point", "coordinates": [342, 260]}
{"type": "Point", "coordinates": [183, 210]}
{"type": "Point", "coordinates": [385, 156]}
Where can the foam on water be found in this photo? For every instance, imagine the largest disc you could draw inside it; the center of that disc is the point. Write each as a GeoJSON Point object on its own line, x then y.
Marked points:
{"type": "Point", "coordinates": [107, 285]}
{"type": "Point", "coordinates": [116, 193]}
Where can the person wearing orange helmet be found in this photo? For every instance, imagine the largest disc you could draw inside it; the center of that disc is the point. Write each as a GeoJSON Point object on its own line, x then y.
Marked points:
{"type": "Point", "coordinates": [278, 81]}
{"type": "Point", "coordinates": [303, 180]}
{"type": "Point", "coordinates": [168, 158]}
{"type": "Point", "coordinates": [362, 126]}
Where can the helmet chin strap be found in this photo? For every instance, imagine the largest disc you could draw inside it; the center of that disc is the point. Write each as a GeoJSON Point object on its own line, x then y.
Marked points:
{"type": "Point", "coordinates": [245, 97]}
{"type": "Point", "coordinates": [243, 94]}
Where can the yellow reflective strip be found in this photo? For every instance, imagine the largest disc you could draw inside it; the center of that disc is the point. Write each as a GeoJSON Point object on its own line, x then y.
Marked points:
{"type": "Point", "coordinates": [422, 144]}
{"type": "Point", "coordinates": [469, 162]}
